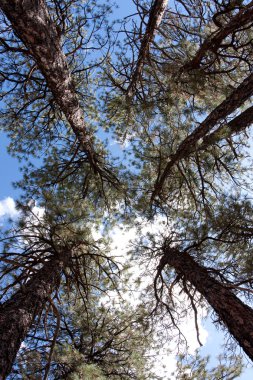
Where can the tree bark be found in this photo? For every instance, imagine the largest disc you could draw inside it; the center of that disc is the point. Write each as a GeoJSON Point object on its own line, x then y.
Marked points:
{"type": "Point", "coordinates": [155, 19]}
{"type": "Point", "coordinates": [236, 316]}
{"type": "Point", "coordinates": [237, 125]}
{"type": "Point", "coordinates": [19, 312]}
{"type": "Point", "coordinates": [31, 22]}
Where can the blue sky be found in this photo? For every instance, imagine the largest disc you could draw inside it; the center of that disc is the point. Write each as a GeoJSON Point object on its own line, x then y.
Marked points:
{"type": "Point", "coordinates": [9, 172]}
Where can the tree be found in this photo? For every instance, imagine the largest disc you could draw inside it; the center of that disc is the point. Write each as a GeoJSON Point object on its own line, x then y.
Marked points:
{"type": "Point", "coordinates": [224, 302]}
{"type": "Point", "coordinates": [195, 367]}
{"type": "Point", "coordinates": [118, 342]}
{"type": "Point", "coordinates": [178, 91]}
{"type": "Point", "coordinates": [95, 337]}
{"type": "Point", "coordinates": [49, 249]}
{"type": "Point", "coordinates": [33, 25]}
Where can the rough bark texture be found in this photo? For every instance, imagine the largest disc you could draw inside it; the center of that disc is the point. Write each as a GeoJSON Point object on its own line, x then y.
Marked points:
{"type": "Point", "coordinates": [190, 143]}
{"type": "Point", "coordinates": [31, 22]}
{"type": "Point", "coordinates": [238, 124]}
{"type": "Point", "coordinates": [19, 312]}
{"type": "Point", "coordinates": [212, 43]}
{"type": "Point", "coordinates": [237, 317]}
{"type": "Point", "coordinates": [155, 18]}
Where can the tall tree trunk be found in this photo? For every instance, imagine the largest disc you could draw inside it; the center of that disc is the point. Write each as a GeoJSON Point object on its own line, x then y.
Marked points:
{"type": "Point", "coordinates": [31, 22]}
{"type": "Point", "coordinates": [237, 316]}
{"type": "Point", "coordinates": [19, 312]}
{"type": "Point", "coordinates": [155, 18]}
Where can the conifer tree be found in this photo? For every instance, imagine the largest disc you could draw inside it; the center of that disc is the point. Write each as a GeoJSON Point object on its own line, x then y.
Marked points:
{"type": "Point", "coordinates": [175, 92]}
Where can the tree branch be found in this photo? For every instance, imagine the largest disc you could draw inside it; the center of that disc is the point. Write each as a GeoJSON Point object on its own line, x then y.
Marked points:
{"type": "Point", "coordinates": [190, 143]}
{"type": "Point", "coordinates": [213, 42]}
{"type": "Point", "coordinates": [238, 124]}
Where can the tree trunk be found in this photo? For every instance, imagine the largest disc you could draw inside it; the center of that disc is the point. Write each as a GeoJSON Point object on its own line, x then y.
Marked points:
{"type": "Point", "coordinates": [19, 312]}
{"type": "Point", "coordinates": [234, 126]}
{"type": "Point", "coordinates": [190, 144]}
{"type": "Point", "coordinates": [237, 316]}
{"type": "Point", "coordinates": [31, 22]}
{"type": "Point", "coordinates": [155, 18]}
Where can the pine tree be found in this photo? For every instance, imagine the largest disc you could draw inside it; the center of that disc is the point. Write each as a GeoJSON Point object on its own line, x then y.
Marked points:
{"type": "Point", "coordinates": [195, 367]}
{"type": "Point", "coordinates": [177, 93]}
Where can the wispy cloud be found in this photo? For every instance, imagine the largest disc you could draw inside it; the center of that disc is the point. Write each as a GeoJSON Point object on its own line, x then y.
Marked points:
{"type": "Point", "coordinates": [8, 208]}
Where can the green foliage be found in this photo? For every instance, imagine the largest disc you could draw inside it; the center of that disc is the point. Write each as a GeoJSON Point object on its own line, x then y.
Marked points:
{"type": "Point", "coordinates": [196, 368]}
{"type": "Point", "coordinates": [203, 206]}
{"type": "Point", "coordinates": [114, 336]}
{"type": "Point", "coordinates": [78, 370]}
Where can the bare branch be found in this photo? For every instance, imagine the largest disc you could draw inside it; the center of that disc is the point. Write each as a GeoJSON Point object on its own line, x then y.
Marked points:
{"type": "Point", "coordinates": [212, 43]}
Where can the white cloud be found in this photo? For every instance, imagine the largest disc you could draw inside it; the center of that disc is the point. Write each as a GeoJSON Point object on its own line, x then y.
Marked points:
{"type": "Point", "coordinates": [38, 212]}
{"type": "Point", "coordinates": [8, 208]}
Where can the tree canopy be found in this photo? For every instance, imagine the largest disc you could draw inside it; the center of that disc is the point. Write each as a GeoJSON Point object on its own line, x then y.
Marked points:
{"type": "Point", "coordinates": [141, 123]}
